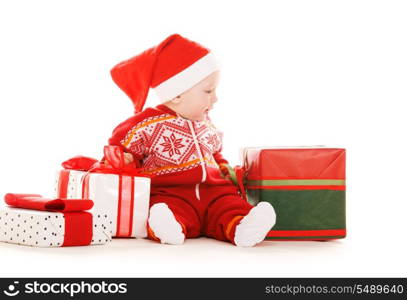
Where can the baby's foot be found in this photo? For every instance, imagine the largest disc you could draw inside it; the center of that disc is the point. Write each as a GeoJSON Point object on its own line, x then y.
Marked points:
{"type": "Point", "coordinates": [164, 225]}
{"type": "Point", "coordinates": [254, 227]}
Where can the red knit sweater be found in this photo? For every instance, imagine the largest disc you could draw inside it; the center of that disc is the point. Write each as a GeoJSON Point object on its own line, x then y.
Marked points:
{"type": "Point", "coordinates": [175, 150]}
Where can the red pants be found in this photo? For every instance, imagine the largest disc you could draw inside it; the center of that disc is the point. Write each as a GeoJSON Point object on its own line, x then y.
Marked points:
{"type": "Point", "coordinates": [215, 214]}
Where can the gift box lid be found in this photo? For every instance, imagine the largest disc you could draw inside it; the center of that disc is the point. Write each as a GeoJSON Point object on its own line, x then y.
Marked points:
{"type": "Point", "coordinates": [303, 162]}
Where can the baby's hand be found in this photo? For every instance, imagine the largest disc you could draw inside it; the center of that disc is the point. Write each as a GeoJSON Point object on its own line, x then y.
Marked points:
{"type": "Point", "coordinates": [128, 158]}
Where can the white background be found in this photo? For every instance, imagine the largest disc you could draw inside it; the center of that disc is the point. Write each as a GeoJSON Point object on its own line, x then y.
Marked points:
{"type": "Point", "coordinates": [294, 73]}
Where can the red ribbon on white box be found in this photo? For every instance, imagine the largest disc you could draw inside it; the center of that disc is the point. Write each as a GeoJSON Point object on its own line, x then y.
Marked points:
{"type": "Point", "coordinates": [115, 165]}
{"type": "Point", "coordinates": [125, 199]}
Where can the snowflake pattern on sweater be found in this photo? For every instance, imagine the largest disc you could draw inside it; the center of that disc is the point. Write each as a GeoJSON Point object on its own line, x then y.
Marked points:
{"type": "Point", "coordinates": [167, 145]}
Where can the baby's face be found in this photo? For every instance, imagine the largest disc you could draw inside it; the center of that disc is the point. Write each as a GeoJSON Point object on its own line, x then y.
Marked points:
{"type": "Point", "coordinates": [195, 103]}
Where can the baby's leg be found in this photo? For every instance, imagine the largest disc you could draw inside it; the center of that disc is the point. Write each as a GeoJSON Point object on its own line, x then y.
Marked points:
{"type": "Point", "coordinates": [232, 219]}
{"type": "Point", "coordinates": [171, 220]}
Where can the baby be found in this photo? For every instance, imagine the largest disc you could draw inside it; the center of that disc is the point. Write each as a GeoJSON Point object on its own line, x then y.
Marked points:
{"type": "Point", "coordinates": [192, 193]}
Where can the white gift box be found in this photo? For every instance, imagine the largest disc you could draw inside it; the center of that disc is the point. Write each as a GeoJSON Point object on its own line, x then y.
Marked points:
{"type": "Point", "coordinates": [47, 229]}
{"type": "Point", "coordinates": [124, 198]}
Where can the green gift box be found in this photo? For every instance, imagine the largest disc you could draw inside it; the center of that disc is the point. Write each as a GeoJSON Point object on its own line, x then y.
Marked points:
{"type": "Point", "coordinates": [305, 185]}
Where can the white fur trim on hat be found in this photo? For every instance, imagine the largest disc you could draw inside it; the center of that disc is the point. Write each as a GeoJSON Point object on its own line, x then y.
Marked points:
{"type": "Point", "coordinates": [187, 78]}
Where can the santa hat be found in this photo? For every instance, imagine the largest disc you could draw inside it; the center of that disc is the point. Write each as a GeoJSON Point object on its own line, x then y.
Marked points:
{"type": "Point", "coordinates": [170, 68]}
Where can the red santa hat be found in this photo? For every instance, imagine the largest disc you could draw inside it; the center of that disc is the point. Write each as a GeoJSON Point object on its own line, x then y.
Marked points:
{"type": "Point", "coordinates": [170, 68]}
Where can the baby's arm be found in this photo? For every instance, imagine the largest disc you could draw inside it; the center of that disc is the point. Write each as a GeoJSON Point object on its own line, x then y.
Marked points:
{"type": "Point", "coordinates": [224, 166]}
{"type": "Point", "coordinates": [119, 136]}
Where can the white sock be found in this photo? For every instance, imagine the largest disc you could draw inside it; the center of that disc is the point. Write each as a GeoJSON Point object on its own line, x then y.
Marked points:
{"type": "Point", "coordinates": [164, 225]}
{"type": "Point", "coordinates": [254, 227]}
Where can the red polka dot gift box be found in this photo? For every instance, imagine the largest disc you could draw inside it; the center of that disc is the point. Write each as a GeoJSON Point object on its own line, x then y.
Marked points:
{"type": "Point", "coordinates": [32, 220]}
{"type": "Point", "coordinates": [117, 190]}
{"type": "Point", "coordinates": [305, 185]}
